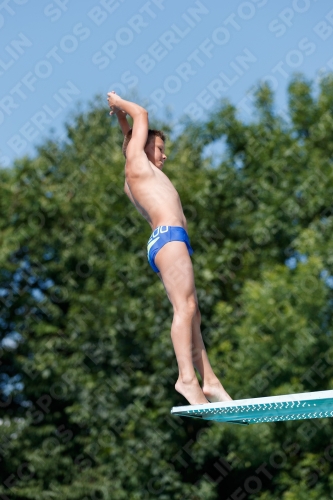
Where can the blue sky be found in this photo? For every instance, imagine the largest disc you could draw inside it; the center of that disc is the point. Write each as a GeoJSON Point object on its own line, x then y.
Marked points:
{"type": "Point", "coordinates": [183, 56]}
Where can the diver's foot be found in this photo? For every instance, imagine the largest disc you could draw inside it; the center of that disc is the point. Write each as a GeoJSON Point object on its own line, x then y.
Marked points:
{"type": "Point", "coordinates": [191, 391]}
{"type": "Point", "coordinates": [215, 392]}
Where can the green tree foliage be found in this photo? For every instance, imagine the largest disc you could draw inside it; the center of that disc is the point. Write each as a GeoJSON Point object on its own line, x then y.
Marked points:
{"type": "Point", "coordinates": [87, 366]}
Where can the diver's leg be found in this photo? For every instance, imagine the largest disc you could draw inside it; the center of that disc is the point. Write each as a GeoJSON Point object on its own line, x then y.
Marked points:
{"type": "Point", "coordinates": [175, 266]}
{"type": "Point", "coordinates": [212, 387]}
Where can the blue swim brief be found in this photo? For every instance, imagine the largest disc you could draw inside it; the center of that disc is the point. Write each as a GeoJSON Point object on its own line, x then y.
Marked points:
{"type": "Point", "coordinates": [163, 235]}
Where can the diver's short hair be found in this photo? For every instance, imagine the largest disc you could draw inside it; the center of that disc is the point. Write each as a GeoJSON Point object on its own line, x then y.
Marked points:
{"type": "Point", "coordinates": [151, 133]}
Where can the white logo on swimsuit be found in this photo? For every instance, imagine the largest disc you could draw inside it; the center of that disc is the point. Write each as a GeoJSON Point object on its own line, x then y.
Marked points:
{"type": "Point", "coordinates": [159, 230]}
{"type": "Point", "coordinates": [152, 243]}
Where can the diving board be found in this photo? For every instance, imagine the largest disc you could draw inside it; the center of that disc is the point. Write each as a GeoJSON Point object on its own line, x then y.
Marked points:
{"type": "Point", "coordinates": [260, 410]}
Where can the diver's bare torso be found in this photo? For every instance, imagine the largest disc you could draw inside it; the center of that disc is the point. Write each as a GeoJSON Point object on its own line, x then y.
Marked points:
{"type": "Point", "coordinates": [155, 197]}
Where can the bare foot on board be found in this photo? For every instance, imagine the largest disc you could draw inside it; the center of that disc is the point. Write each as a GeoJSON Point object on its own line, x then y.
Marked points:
{"type": "Point", "coordinates": [215, 392]}
{"type": "Point", "coordinates": [191, 391]}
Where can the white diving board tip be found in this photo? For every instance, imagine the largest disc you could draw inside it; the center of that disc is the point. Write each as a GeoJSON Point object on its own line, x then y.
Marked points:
{"type": "Point", "coordinates": [262, 410]}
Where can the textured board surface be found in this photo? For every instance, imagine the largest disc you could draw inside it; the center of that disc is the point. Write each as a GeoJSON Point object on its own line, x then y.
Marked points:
{"type": "Point", "coordinates": [260, 410]}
